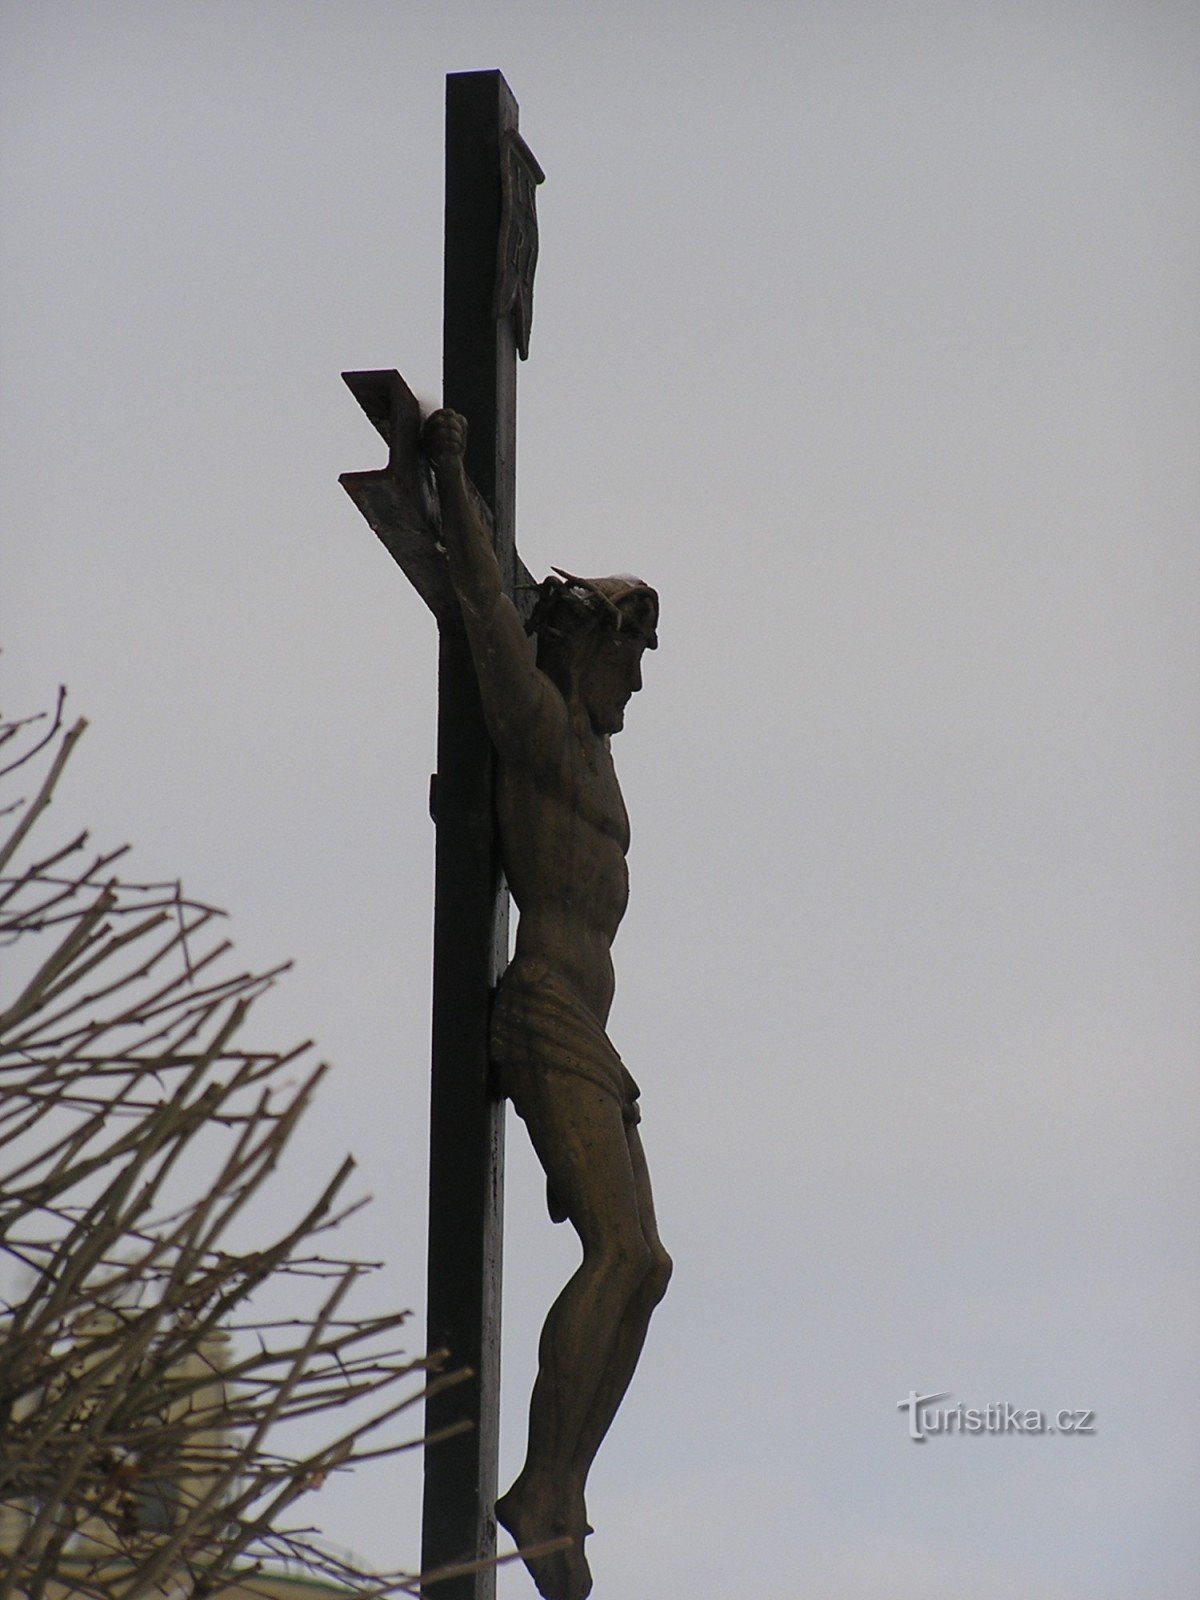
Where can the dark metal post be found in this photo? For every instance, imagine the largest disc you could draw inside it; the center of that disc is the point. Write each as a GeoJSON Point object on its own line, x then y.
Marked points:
{"type": "Point", "coordinates": [466, 1174]}
{"type": "Point", "coordinates": [491, 253]}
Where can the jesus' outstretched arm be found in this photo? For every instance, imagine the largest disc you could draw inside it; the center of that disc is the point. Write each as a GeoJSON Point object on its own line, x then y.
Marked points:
{"type": "Point", "coordinates": [520, 705]}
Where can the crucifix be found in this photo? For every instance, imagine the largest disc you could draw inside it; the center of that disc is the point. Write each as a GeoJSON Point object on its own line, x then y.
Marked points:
{"type": "Point", "coordinates": [525, 793]}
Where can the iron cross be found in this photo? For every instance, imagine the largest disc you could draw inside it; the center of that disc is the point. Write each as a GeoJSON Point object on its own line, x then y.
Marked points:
{"type": "Point", "coordinates": [490, 255]}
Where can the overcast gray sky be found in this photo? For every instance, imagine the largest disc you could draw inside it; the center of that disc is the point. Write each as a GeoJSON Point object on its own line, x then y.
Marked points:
{"type": "Point", "coordinates": [868, 333]}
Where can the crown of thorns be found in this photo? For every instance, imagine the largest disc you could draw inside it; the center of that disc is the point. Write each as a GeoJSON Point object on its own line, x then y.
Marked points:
{"type": "Point", "coordinates": [566, 602]}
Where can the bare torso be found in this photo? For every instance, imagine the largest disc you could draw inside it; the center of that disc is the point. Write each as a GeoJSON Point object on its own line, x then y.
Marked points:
{"type": "Point", "coordinates": [564, 833]}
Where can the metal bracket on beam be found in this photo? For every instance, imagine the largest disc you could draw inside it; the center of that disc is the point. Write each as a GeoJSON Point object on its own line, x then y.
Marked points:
{"type": "Point", "coordinates": [398, 500]}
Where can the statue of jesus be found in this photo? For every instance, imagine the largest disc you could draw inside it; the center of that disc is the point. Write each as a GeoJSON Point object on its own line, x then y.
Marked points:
{"type": "Point", "coordinates": [564, 834]}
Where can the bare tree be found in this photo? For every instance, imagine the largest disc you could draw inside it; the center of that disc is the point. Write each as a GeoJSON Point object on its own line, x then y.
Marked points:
{"type": "Point", "coordinates": [142, 1395]}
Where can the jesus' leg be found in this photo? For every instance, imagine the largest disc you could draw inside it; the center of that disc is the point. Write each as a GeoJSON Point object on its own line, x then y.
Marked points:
{"type": "Point", "coordinates": [631, 1335]}
{"type": "Point", "coordinates": [580, 1138]}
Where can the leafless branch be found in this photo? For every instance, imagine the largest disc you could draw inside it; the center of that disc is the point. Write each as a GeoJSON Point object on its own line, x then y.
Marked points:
{"type": "Point", "coordinates": [142, 1391]}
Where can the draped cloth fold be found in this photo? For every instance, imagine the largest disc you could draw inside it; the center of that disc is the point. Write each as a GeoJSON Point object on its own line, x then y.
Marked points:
{"type": "Point", "coordinates": [541, 1027]}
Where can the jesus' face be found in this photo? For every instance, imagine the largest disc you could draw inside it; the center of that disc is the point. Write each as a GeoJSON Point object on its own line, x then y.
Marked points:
{"type": "Point", "coordinates": [610, 673]}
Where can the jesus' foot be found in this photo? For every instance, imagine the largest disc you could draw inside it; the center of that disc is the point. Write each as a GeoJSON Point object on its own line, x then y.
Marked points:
{"type": "Point", "coordinates": [538, 1518]}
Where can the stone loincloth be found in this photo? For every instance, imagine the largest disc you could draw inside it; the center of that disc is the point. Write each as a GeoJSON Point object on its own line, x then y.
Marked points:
{"type": "Point", "coordinates": [541, 1026]}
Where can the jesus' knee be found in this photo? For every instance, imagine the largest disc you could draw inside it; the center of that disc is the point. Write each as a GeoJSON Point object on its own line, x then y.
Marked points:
{"type": "Point", "coordinates": [658, 1275]}
{"type": "Point", "coordinates": [624, 1262]}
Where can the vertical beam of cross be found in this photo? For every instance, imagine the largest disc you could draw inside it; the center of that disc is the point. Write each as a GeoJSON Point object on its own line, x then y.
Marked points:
{"type": "Point", "coordinates": [470, 938]}
{"type": "Point", "coordinates": [490, 254]}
